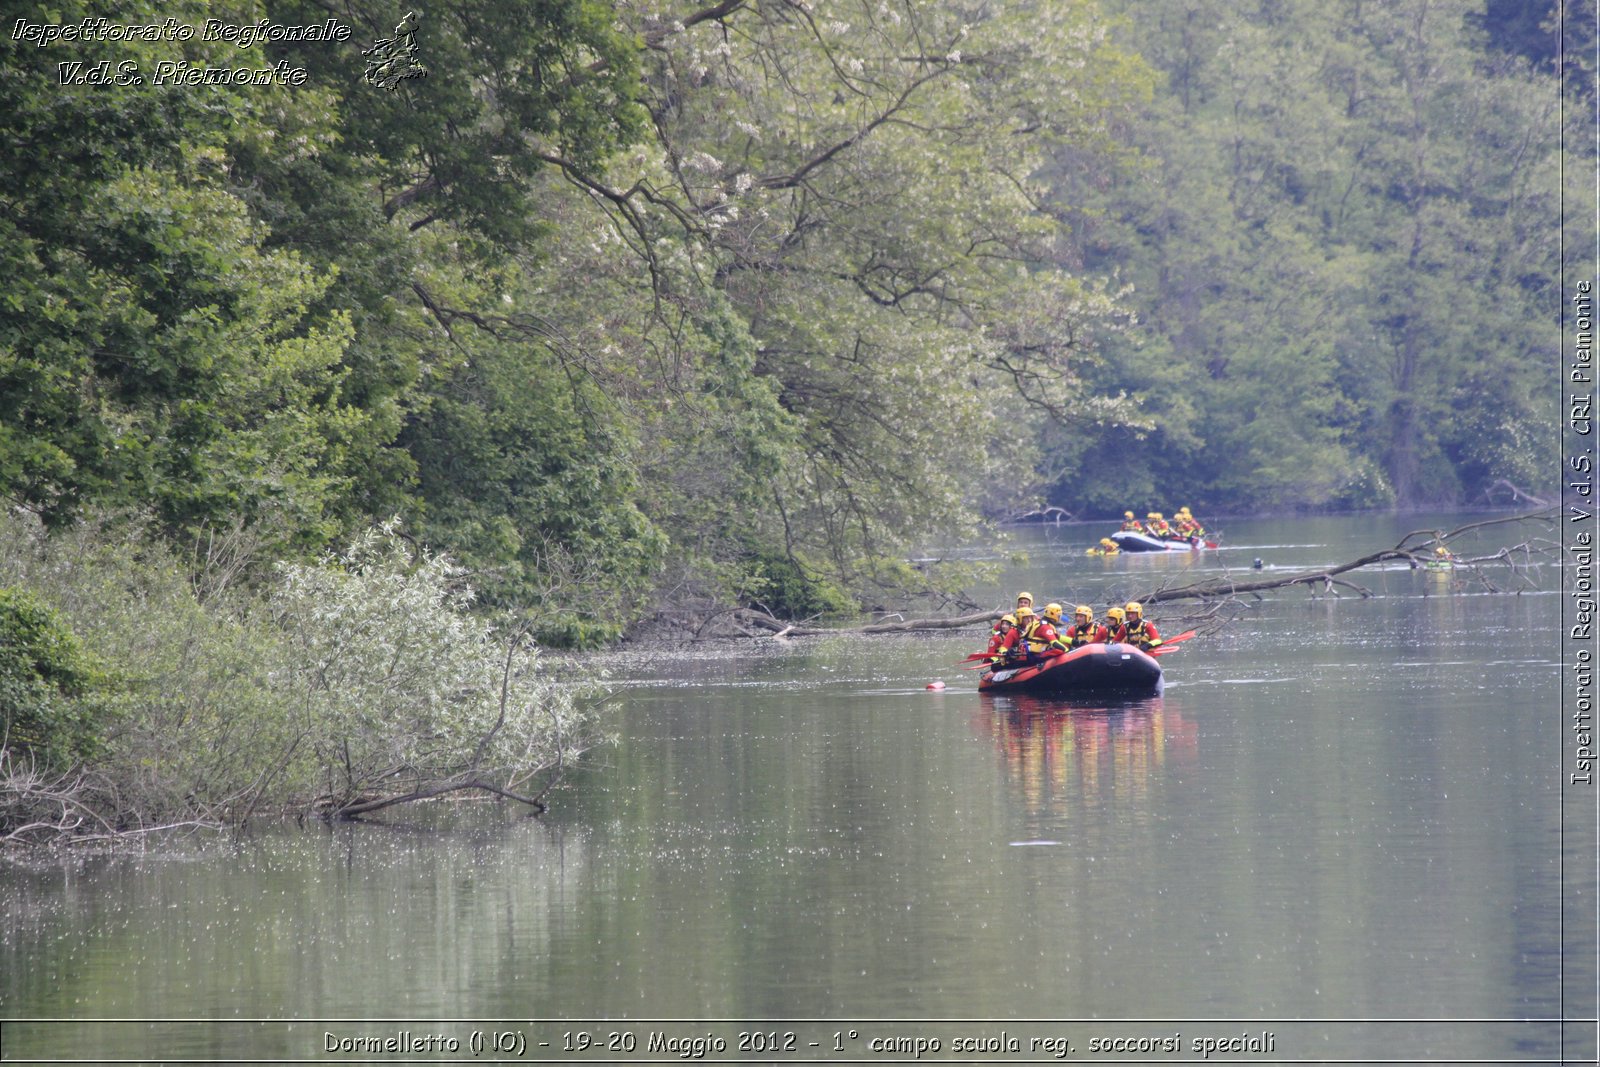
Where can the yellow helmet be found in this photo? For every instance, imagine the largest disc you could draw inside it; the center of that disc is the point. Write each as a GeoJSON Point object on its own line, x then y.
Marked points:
{"type": "Point", "coordinates": [1010, 620]}
{"type": "Point", "coordinates": [1085, 610]}
{"type": "Point", "coordinates": [1133, 607]}
{"type": "Point", "coordinates": [1114, 613]}
{"type": "Point", "coordinates": [1025, 596]}
{"type": "Point", "coordinates": [1127, 514]}
{"type": "Point", "coordinates": [1052, 612]}
{"type": "Point", "coordinates": [1152, 515]}
{"type": "Point", "coordinates": [1184, 510]}
{"type": "Point", "coordinates": [1441, 551]}
{"type": "Point", "coordinates": [1107, 541]}
{"type": "Point", "coordinates": [1024, 613]}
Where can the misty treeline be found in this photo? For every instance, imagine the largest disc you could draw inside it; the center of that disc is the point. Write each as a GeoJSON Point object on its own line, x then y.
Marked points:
{"type": "Point", "coordinates": [643, 308]}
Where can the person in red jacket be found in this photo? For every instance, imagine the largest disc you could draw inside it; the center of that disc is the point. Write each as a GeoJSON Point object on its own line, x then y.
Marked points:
{"type": "Point", "coordinates": [1084, 630]}
{"type": "Point", "coordinates": [1010, 651]}
{"type": "Point", "coordinates": [1038, 634]}
{"type": "Point", "coordinates": [1001, 636]}
{"type": "Point", "coordinates": [1141, 631]}
{"type": "Point", "coordinates": [1056, 645]}
{"type": "Point", "coordinates": [1188, 527]}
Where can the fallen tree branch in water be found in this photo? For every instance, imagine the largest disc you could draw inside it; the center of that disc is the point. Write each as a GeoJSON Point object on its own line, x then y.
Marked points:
{"type": "Point", "coordinates": [1518, 494]}
{"type": "Point", "coordinates": [780, 628]}
{"type": "Point", "coordinates": [1414, 548]}
{"type": "Point", "coordinates": [428, 792]}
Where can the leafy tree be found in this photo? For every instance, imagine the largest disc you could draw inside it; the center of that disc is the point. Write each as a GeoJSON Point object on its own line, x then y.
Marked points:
{"type": "Point", "coordinates": [405, 693]}
{"type": "Point", "coordinates": [1336, 255]}
{"type": "Point", "coordinates": [52, 706]}
{"type": "Point", "coordinates": [152, 350]}
{"type": "Point", "coordinates": [858, 184]}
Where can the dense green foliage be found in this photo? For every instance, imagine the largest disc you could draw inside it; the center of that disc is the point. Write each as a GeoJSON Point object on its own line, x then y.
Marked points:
{"type": "Point", "coordinates": [647, 300]}
{"type": "Point", "coordinates": [359, 675]}
{"type": "Point", "coordinates": [153, 350]}
{"type": "Point", "coordinates": [1344, 256]}
{"type": "Point", "coordinates": [52, 704]}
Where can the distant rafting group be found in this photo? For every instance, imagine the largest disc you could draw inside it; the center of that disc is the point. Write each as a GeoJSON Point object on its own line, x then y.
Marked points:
{"type": "Point", "coordinates": [1155, 534]}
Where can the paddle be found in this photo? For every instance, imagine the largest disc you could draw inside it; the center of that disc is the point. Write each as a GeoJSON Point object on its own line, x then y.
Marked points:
{"type": "Point", "coordinates": [1166, 645]}
{"type": "Point", "coordinates": [996, 666]}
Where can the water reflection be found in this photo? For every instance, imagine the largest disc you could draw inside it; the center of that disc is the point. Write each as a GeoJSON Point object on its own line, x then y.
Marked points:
{"type": "Point", "coordinates": [1064, 756]}
{"type": "Point", "coordinates": [1343, 808]}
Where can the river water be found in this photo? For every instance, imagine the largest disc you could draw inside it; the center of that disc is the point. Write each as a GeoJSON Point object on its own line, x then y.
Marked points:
{"type": "Point", "coordinates": [1343, 832]}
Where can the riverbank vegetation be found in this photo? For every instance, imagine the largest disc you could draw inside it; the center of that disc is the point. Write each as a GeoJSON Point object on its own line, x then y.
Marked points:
{"type": "Point", "coordinates": [337, 687]}
{"type": "Point", "coordinates": [633, 311]}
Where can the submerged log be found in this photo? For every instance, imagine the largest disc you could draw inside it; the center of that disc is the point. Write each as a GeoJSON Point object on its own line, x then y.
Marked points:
{"type": "Point", "coordinates": [780, 628]}
{"type": "Point", "coordinates": [1518, 494]}
{"type": "Point", "coordinates": [1416, 548]}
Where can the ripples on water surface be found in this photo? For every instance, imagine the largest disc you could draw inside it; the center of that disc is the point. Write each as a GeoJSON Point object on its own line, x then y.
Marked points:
{"type": "Point", "coordinates": [1340, 808]}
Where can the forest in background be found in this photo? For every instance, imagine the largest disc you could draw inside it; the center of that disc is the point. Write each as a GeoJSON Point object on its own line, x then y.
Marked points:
{"type": "Point", "coordinates": [636, 304]}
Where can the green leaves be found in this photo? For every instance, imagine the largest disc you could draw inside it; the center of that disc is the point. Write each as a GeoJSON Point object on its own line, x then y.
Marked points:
{"type": "Point", "coordinates": [1333, 257]}
{"type": "Point", "coordinates": [52, 691]}
{"type": "Point", "coordinates": [400, 686]}
{"type": "Point", "coordinates": [861, 181]}
{"type": "Point", "coordinates": [153, 350]}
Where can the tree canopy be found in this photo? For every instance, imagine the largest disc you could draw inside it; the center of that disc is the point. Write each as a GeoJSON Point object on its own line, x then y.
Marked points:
{"type": "Point", "coordinates": [1343, 254]}
{"type": "Point", "coordinates": [654, 302]}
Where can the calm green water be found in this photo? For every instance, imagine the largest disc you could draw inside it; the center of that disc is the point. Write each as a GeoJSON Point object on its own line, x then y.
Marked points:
{"type": "Point", "coordinates": [1342, 823]}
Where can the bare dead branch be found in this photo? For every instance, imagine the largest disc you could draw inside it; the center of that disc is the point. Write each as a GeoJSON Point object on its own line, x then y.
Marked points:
{"type": "Point", "coordinates": [781, 628]}
{"type": "Point", "coordinates": [1411, 549]}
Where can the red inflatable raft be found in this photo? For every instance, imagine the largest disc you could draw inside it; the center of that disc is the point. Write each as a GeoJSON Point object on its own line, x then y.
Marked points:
{"type": "Point", "coordinates": [1086, 669]}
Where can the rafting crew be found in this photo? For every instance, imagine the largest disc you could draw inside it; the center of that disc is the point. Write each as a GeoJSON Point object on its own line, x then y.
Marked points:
{"type": "Point", "coordinates": [1026, 636]}
{"type": "Point", "coordinates": [1183, 527]}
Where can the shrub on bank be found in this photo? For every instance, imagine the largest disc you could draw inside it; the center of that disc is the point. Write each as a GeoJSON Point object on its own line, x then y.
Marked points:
{"type": "Point", "coordinates": [333, 687]}
{"type": "Point", "coordinates": [51, 707]}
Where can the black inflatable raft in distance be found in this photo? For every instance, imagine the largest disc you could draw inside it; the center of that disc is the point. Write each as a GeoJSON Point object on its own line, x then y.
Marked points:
{"type": "Point", "coordinates": [1129, 541]}
{"type": "Point", "coordinates": [1087, 669]}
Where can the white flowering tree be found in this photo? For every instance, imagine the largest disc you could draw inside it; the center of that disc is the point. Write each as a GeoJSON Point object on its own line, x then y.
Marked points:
{"type": "Point", "coordinates": [856, 188]}
{"type": "Point", "coordinates": [402, 694]}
